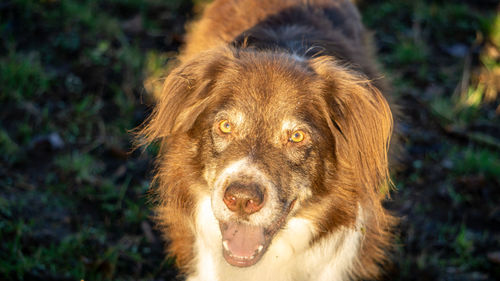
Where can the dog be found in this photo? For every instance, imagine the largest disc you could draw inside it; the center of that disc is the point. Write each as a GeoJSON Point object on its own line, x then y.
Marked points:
{"type": "Point", "coordinates": [274, 139]}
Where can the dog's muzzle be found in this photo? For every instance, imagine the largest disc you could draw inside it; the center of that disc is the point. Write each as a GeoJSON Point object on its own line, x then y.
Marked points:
{"type": "Point", "coordinates": [246, 204]}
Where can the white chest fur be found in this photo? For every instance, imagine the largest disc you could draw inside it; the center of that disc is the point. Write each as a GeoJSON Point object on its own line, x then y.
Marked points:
{"type": "Point", "coordinates": [289, 257]}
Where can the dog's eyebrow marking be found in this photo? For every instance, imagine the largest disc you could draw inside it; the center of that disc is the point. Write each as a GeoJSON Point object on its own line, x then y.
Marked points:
{"type": "Point", "coordinates": [288, 125]}
{"type": "Point", "coordinates": [235, 117]}
{"type": "Point", "coordinates": [239, 118]}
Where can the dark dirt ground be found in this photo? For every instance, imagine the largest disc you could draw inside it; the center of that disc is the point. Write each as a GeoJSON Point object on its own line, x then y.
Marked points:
{"type": "Point", "coordinates": [73, 197]}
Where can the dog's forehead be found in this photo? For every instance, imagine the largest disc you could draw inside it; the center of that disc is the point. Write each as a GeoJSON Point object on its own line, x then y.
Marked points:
{"type": "Point", "coordinates": [269, 89]}
{"type": "Point", "coordinates": [273, 78]}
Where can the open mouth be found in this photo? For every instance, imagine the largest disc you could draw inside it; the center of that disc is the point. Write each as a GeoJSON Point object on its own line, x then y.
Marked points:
{"type": "Point", "coordinates": [243, 244]}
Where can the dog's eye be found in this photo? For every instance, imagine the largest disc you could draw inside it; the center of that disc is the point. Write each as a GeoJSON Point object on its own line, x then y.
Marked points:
{"type": "Point", "coordinates": [225, 126]}
{"type": "Point", "coordinates": [297, 136]}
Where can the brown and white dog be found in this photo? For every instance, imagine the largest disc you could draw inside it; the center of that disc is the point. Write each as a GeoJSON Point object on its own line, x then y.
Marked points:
{"type": "Point", "coordinates": [274, 145]}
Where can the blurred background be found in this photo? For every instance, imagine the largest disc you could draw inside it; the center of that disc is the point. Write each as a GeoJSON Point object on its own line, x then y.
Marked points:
{"type": "Point", "coordinates": [74, 197]}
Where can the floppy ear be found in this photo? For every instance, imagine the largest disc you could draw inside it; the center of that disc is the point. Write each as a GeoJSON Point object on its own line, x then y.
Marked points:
{"type": "Point", "coordinates": [360, 120]}
{"type": "Point", "coordinates": [186, 93]}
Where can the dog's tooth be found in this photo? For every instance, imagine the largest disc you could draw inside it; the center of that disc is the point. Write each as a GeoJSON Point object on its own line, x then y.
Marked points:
{"type": "Point", "coordinates": [241, 257]}
{"type": "Point", "coordinates": [260, 248]}
{"type": "Point", "coordinates": [225, 244]}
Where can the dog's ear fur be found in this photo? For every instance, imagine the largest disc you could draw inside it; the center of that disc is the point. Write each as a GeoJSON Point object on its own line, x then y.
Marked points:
{"type": "Point", "coordinates": [186, 93]}
{"type": "Point", "coordinates": [361, 121]}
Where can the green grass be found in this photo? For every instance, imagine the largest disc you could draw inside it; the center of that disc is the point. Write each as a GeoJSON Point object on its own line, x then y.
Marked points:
{"type": "Point", "coordinates": [81, 167]}
{"type": "Point", "coordinates": [476, 161]}
{"type": "Point", "coordinates": [9, 148]}
{"type": "Point", "coordinates": [65, 258]}
{"type": "Point", "coordinates": [441, 58]}
{"type": "Point", "coordinates": [409, 52]}
{"type": "Point", "coordinates": [22, 77]}
{"type": "Point", "coordinates": [77, 211]}
{"type": "Point", "coordinates": [494, 30]}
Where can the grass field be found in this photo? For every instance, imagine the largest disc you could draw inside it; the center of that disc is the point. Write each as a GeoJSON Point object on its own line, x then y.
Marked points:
{"type": "Point", "coordinates": [74, 198]}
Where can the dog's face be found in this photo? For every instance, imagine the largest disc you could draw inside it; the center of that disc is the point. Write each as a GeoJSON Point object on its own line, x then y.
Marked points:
{"type": "Point", "coordinates": [274, 135]}
{"type": "Point", "coordinates": [261, 152]}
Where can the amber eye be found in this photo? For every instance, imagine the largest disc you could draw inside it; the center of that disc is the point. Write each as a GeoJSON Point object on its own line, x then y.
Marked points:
{"type": "Point", "coordinates": [297, 136]}
{"type": "Point", "coordinates": [225, 126]}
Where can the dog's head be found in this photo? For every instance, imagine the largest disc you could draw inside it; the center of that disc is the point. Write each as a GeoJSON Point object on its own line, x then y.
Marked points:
{"type": "Point", "coordinates": [275, 136]}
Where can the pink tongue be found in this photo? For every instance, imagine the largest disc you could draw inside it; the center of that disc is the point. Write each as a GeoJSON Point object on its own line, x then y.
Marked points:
{"type": "Point", "coordinates": [242, 240]}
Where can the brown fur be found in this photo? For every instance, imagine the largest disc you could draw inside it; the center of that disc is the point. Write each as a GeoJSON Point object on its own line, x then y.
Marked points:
{"type": "Point", "coordinates": [238, 54]}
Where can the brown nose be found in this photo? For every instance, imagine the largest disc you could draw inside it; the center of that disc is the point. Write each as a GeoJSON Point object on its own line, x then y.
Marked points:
{"type": "Point", "coordinates": [244, 199]}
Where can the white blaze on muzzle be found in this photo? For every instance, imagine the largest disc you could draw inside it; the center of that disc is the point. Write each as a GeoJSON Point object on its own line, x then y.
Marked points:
{"type": "Point", "coordinates": [245, 169]}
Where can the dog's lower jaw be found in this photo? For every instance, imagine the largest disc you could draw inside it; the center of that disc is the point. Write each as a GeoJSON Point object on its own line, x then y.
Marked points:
{"type": "Point", "coordinates": [289, 257]}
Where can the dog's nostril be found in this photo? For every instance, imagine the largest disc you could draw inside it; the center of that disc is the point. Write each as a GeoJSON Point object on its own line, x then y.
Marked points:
{"type": "Point", "coordinates": [244, 199]}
